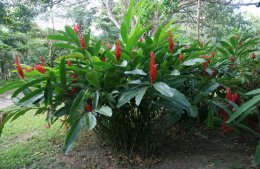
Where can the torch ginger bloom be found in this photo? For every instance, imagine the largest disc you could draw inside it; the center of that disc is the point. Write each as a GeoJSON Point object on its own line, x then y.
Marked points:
{"type": "Point", "coordinates": [88, 107]}
{"type": "Point", "coordinates": [19, 68]}
{"type": "Point", "coordinates": [69, 63]}
{"type": "Point", "coordinates": [253, 56]}
{"type": "Point", "coordinates": [170, 41]}
{"type": "Point", "coordinates": [76, 28]}
{"type": "Point", "coordinates": [41, 60]}
{"type": "Point", "coordinates": [152, 68]}
{"type": "Point", "coordinates": [181, 57]}
{"type": "Point", "coordinates": [82, 42]}
{"type": "Point", "coordinates": [118, 50]}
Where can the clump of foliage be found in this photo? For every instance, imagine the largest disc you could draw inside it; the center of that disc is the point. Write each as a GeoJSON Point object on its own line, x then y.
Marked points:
{"type": "Point", "coordinates": [131, 92]}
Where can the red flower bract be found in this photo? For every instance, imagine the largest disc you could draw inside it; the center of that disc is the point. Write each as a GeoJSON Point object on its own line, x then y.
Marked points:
{"type": "Point", "coordinates": [152, 68]}
{"type": "Point", "coordinates": [253, 56]}
{"type": "Point", "coordinates": [212, 54]}
{"type": "Point", "coordinates": [88, 107]}
{"type": "Point", "coordinates": [109, 46]}
{"type": "Point", "coordinates": [232, 58]}
{"type": "Point", "coordinates": [41, 60]}
{"type": "Point", "coordinates": [76, 28]}
{"type": "Point", "coordinates": [69, 63]}
{"type": "Point", "coordinates": [118, 50]}
{"type": "Point", "coordinates": [170, 41]}
{"type": "Point", "coordinates": [82, 42]}
{"type": "Point", "coordinates": [104, 59]}
{"type": "Point", "coordinates": [19, 68]}
{"type": "Point", "coordinates": [73, 90]}
{"type": "Point", "coordinates": [40, 68]}
{"type": "Point", "coordinates": [181, 57]}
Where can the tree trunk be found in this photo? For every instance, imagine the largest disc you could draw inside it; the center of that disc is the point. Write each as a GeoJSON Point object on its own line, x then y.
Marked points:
{"type": "Point", "coordinates": [51, 47]}
{"type": "Point", "coordinates": [198, 20]}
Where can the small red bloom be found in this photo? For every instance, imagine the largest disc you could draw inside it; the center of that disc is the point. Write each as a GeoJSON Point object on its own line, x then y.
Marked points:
{"type": "Point", "coordinates": [40, 68]}
{"type": "Point", "coordinates": [69, 63]}
{"type": "Point", "coordinates": [141, 39]}
{"type": "Point", "coordinates": [212, 54]}
{"type": "Point", "coordinates": [118, 50]}
{"type": "Point", "coordinates": [232, 58]}
{"type": "Point", "coordinates": [41, 60]}
{"type": "Point", "coordinates": [82, 42]}
{"type": "Point", "coordinates": [214, 73]}
{"type": "Point", "coordinates": [170, 41]}
{"type": "Point", "coordinates": [109, 46]}
{"type": "Point", "coordinates": [88, 107]}
{"type": "Point", "coordinates": [76, 28]}
{"type": "Point", "coordinates": [208, 61]}
{"type": "Point", "coordinates": [73, 90]}
{"type": "Point", "coordinates": [47, 126]}
{"type": "Point", "coordinates": [181, 57]}
{"type": "Point", "coordinates": [19, 67]}
{"type": "Point", "coordinates": [152, 68]}
{"type": "Point", "coordinates": [104, 59]}
{"type": "Point", "coordinates": [74, 76]}
{"type": "Point", "coordinates": [253, 56]}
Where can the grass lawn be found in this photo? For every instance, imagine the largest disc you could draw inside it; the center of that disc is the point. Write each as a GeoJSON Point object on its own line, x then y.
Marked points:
{"type": "Point", "coordinates": [26, 143]}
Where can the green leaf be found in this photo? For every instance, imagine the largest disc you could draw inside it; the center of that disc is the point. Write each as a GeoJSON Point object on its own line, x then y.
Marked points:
{"type": "Point", "coordinates": [93, 78]}
{"type": "Point", "coordinates": [224, 52]}
{"type": "Point", "coordinates": [210, 120]}
{"type": "Point", "coordinates": [164, 89]}
{"type": "Point", "coordinates": [97, 48]}
{"type": "Point", "coordinates": [124, 31]}
{"type": "Point", "coordinates": [20, 113]}
{"type": "Point", "coordinates": [59, 37]}
{"type": "Point", "coordinates": [91, 120]}
{"type": "Point", "coordinates": [175, 72]}
{"type": "Point", "coordinates": [126, 96]}
{"type": "Point", "coordinates": [62, 111]}
{"type": "Point", "coordinates": [105, 110]}
{"type": "Point", "coordinates": [95, 100]}
{"type": "Point", "coordinates": [72, 135]}
{"type": "Point", "coordinates": [157, 35]}
{"type": "Point", "coordinates": [32, 94]}
{"type": "Point", "coordinates": [136, 72]}
{"type": "Point", "coordinates": [192, 62]}
{"type": "Point", "coordinates": [63, 45]}
{"type": "Point", "coordinates": [228, 47]}
{"type": "Point", "coordinates": [8, 117]}
{"type": "Point", "coordinates": [128, 15]}
{"type": "Point", "coordinates": [244, 107]}
{"type": "Point", "coordinates": [257, 154]}
{"type": "Point", "coordinates": [252, 92]}
{"type": "Point", "coordinates": [63, 78]}
{"type": "Point", "coordinates": [72, 34]}
{"type": "Point", "coordinates": [87, 38]}
{"type": "Point", "coordinates": [48, 93]}
{"type": "Point", "coordinates": [78, 101]}
{"type": "Point", "coordinates": [29, 84]}
{"type": "Point", "coordinates": [139, 96]}
{"type": "Point", "coordinates": [11, 86]}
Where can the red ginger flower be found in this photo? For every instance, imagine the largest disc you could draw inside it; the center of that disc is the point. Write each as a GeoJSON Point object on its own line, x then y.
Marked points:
{"type": "Point", "coordinates": [19, 68]}
{"type": "Point", "coordinates": [69, 63]}
{"type": "Point", "coordinates": [88, 107]}
{"type": "Point", "coordinates": [82, 42]}
{"type": "Point", "coordinates": [232, 58]}
{"type": "Point", "coordinates": [141, 39]}
{"type": "Point", "coordinates": [152, 68]}
{"type": "Point", "coordinates": [181, 57]}
{"type": "Point", "coordinates": [212, 54]}
{"type": "Point", "coordinates": [40, 68]}
{"type": "Point", "coordinates": [170, 41]}
{"type": "Point", "coordinates": [104, 59]}
{"type": "Point", "coordinates": [41, 60]}
{"type": "Point", "coordinates": [73, 90]}
{"type": "Point", "coordinates": [253, 56]}
{"type": "Point", "coordinates": [76, 28]}
{"type": "Point", "coordinates": [118, 50]}
{"type": "Point", "coordinates": [109, 46]}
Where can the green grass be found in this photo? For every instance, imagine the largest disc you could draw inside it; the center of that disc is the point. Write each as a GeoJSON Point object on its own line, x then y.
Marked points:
{"type": "Point", "coordinates": [26, 143]}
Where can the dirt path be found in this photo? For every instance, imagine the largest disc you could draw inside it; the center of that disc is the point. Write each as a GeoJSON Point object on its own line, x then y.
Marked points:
{"type": "Point", "coordinates": [5, 100]}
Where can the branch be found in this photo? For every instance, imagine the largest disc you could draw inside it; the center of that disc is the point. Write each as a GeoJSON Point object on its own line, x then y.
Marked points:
{"type": "Point", "coordinates": [110, 14]}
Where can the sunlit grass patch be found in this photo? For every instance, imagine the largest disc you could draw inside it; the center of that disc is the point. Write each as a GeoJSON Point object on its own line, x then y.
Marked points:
{"type": "Point", "coordinates": [25, 142]}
